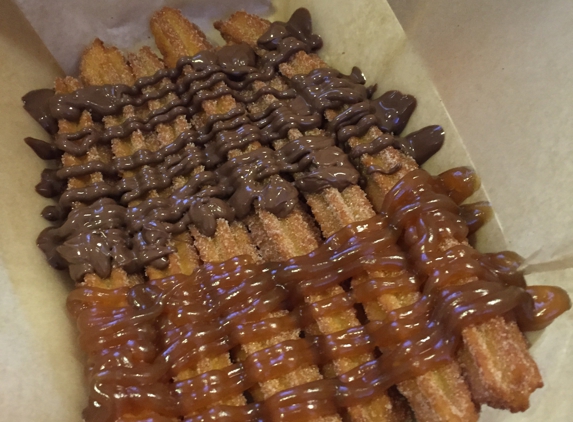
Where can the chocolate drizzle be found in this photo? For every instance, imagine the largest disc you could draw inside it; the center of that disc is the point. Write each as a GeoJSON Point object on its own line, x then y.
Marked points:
{"type": "Point", "coordinates": [37, 104]}
{"type": "Point", "coordinates": [216, 188]}
{"type": "Point", "coordinates": [50, 185]}
{"type": "Point", "coordinates": [44, 150]}
{"type": "Point", "coordinates": [299, 26]}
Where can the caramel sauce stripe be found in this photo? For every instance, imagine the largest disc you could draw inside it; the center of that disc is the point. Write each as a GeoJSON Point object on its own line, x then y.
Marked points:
{"type": "Point", "coordinates": [413, 338]}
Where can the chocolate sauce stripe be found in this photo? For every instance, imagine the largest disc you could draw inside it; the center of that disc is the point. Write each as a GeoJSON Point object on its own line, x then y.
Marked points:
{"type": "Point", "coordinates": [273, 125]}
{"type": "Point", "coordinates": [140, 159]}
{"type": "Point", "coordinates": [112, 98]}
{"type": "Point", "coordinates": [305, 147]}
{"type": "Point", "coordinates": [210, 68]}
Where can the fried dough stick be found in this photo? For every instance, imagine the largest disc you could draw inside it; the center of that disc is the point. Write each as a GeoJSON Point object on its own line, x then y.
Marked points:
{"type": "Point", "coordinates": [500, 371]}
{"type": "Point", "coordinates": [67, 85]}
{"type": "Point", "coordinates": [175, 38]}
{"type": "Point", "coordinates": [495, 358]}
{"type": "Point", "coordinates": [334, 209]}
{"type": "Point", "coordinates": [118, 277]}
{"type": "Point", "coordinates": [185, 260]}
{"type": "Point", "coordinates": [456, 403]}
{"type": "Point", "coordinates": [432, 402]}
{"type": "Point", "coordinates": [146, 63]}
{"type": "Point", "coordinates": [103, 65]}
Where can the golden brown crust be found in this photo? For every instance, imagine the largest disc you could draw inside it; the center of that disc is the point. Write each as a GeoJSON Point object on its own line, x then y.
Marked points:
{"type": "Point", "coordinates": [175, 36]}
{"type": "Point", "coordinates": [494, 351]}
{"type": "Point", "coordinates": [278, 238]}
{"type": "Point", "coordinates": [301, 64]}
{"type": "Point", "coordinates": [242, 27]}
{"type": "Point", "coordinates": [448, 402]}
{"type": "Point", "coordinates": [230, 240]}
{"type": "Point", "coordinates": [101, 64]}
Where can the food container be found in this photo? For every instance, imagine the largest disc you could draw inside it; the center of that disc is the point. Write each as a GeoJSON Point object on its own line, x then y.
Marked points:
{"type": "Point", "coordinates": [498, 72]}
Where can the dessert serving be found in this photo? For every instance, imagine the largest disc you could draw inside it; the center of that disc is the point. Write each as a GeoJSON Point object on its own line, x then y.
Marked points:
{"type": "Point", "coordinates": [252, 238]}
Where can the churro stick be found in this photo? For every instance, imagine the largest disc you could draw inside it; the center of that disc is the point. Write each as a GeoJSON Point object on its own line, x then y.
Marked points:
{"type": "Point", "coordinates": [103, 65]}
{"type": "Point", "coordinates": [218, 249]}
{"type": "Point", "coordinates": [438, 395]}
{"type": "Point", "coordinates": [334, 210]}
{"type": "Point", "coordinates": [117, 278]}
{"type": "Point", "coordinates": [498, 366]}
{"type": "Point", "coordinates": [177, 37]}
{"type": "Point", "coordinates": [185, 258]}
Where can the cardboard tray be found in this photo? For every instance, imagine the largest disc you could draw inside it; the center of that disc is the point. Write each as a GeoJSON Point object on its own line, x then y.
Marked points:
{"type": "Point", "coordinates": [501, 73]}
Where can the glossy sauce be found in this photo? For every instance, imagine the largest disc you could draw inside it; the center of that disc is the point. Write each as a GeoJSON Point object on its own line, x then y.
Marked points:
{"type": "Point", "coordinates": [220, 306]}
{"type": "Point", "coordinates": [216, 188]}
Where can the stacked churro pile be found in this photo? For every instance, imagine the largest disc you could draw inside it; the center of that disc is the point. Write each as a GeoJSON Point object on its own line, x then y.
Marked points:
{"type": "Point", "coordinates": [200, 189]}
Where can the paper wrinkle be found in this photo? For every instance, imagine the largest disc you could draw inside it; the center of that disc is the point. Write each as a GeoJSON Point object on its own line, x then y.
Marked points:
{"type": "Point", "coordinates": [66, 27]}
{"type": "Point", "coordinates": [558, 257]}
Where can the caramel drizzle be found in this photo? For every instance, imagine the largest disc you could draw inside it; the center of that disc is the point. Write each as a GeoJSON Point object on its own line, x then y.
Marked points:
{"type": "Point", "coordinates": [219, 306]}
{"type": "Point", "coordinates": [119, 339]}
